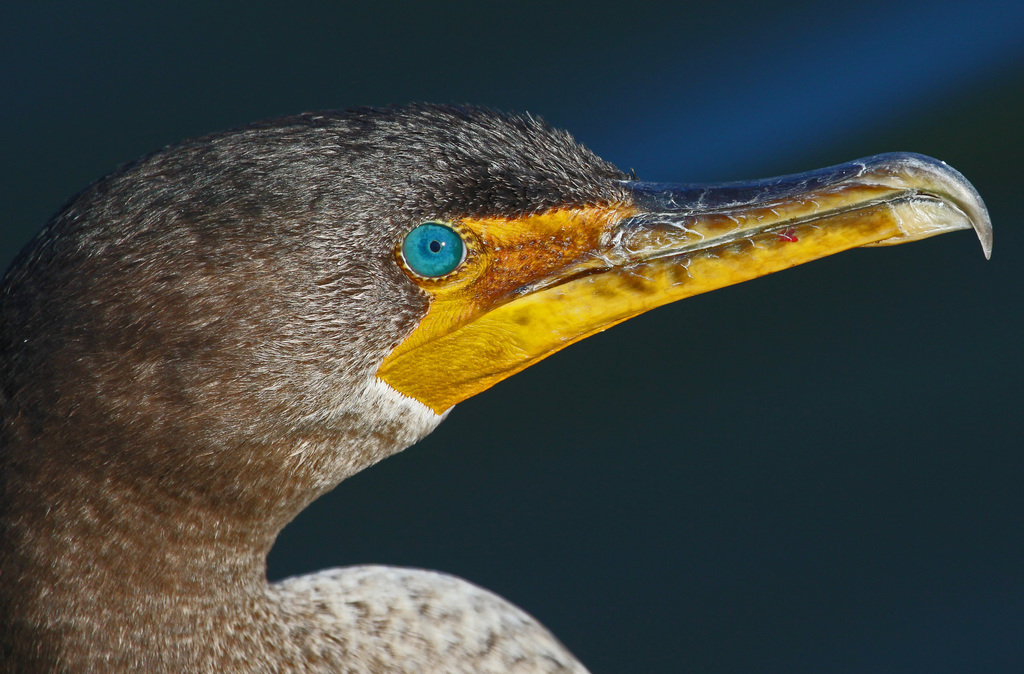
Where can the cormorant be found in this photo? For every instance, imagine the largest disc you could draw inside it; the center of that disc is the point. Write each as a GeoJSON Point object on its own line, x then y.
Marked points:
{"type": "Point", "coordinates": [201, 343]}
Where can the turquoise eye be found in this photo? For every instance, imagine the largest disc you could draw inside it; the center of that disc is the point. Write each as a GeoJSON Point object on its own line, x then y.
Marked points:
{"type": "Point", "coordinates": [432, 249]}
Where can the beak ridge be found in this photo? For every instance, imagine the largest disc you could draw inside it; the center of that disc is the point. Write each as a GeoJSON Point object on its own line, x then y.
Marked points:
{"type": "Point", "coordinates": [928, 196]}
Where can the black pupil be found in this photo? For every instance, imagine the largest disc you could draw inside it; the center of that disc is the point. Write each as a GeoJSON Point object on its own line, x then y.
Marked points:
{"type": "Point", "coordinates": [435, 246]}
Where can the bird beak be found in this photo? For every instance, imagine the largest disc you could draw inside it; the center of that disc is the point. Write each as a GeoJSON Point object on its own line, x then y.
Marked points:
{"type": "Point", "coordinates": [587, 269]}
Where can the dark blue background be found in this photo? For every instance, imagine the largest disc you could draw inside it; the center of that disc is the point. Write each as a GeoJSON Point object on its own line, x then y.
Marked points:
{"type": "Point", "coordinates": [817, 471]}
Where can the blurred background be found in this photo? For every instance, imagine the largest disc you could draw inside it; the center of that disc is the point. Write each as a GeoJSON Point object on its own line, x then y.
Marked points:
{"type": "Point", "coordinates": [820, 470]}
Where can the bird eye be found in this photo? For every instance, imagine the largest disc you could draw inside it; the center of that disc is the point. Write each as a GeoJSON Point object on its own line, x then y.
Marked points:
{"type": "Point", "coordinates": [433, 249]}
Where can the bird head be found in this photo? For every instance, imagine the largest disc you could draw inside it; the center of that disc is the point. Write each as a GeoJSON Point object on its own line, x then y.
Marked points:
{"type": "Point", "coordinates": [247, 318]}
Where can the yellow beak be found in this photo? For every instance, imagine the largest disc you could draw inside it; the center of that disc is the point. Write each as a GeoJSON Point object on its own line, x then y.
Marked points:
{"type": "Point", "coordinates": [532, 285]}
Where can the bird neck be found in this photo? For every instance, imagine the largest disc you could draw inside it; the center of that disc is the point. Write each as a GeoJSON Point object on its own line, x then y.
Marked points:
{"type": "Point", "coordinates": [88, 559]}
{"type": "Point", "coordinates": [109, 547]}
